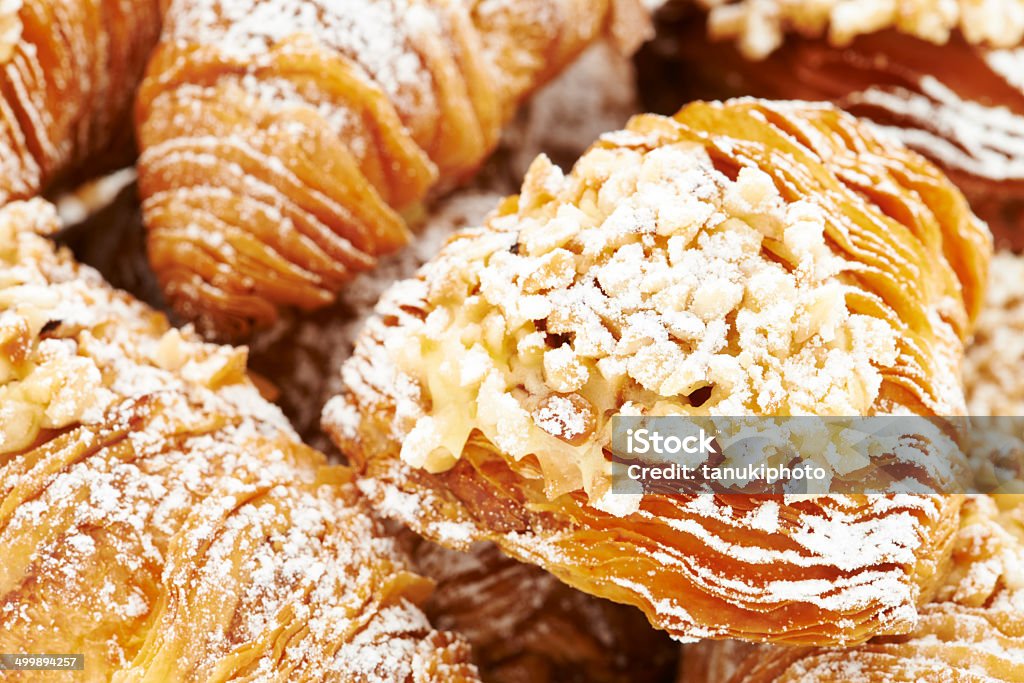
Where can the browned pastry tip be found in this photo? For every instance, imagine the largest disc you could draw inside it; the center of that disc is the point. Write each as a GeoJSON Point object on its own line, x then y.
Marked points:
{"type": "Point", "coordinates": [957, 103]}
{"type": "Point", "coordinates": [284, 141]}
{"type": "Point", "coordinates": [740, 258]}
{"type": "Point", "coordinates": [973, 632]}
{"type": "Point", "coordinates": [68, 71]}
{"type": "Point", "coordinates": [162, 519]}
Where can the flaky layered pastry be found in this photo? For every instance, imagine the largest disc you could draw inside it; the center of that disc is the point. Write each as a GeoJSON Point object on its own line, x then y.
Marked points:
{"type": "Point", "coordinates": [974, 631]}
{"type": "Point", "coordinates": [959, 104]}
{"type": "Point", "coordinates": [285, 142]}
{"type": "Point", "coordinates": [68, 70]}
{"type": "Point", "coordinates": [742, 258]}
{"type": "Point", "coordinates": [159, 517]}
{"type": "Point", "coordinates": [525, 625]}
{"type": "Point", "coordinates": [760, 26]}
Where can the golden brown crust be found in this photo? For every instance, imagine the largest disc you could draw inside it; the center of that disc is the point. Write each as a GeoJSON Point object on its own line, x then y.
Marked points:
{"type": "Point", "coordinates": [161, 518]}
{"type": "Point", "coordinates": [282, 141]}
{"type": "Point", "coordinates": [973, 632]}
{"type": "Point", "coordinates": [68, 71]}
{"type": "Point", "coordinates": [895, 237]}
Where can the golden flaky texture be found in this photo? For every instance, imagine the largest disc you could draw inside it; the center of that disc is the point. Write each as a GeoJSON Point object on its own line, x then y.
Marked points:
{"type": "Point", "coordinates": [958, 104]}
{"type": "Point", "coordinates": [738, 259]}
{"type": "Point", "coordinates": [761, 25]}
{"type": "Point", "coordinates": [285, 142]}
{"type": "Point", "coordinates": [159, 517]}
{"type": "Point", "coordinates": [974, 631]}
{"type": "Point", "coordinates": [525, 626]}
{"type": "Point", "coordinates": [68, 70]}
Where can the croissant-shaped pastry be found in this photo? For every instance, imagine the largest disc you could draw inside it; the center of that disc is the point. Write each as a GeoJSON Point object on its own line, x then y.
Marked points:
{"type": "Point", "coordinates": [959, 104]}
{"type": "Point", "coordinates": [159, 517]}
{"type": "Point", "coordinates": [284, 143]}
{"type": "Point", "coordinates": [738, 259]}
{"type": "Point", "coordinates": [761, 25]}
{"type": "Point", "coordinates": [526, 625]}
{"type": "Point", "coordinates": [68, 70]}
{"type": "Point", "coordinates": [975, 632]}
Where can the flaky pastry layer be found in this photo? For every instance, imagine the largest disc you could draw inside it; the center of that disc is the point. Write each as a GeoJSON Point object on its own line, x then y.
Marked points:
{"type": "Point", "coordinates": [68, 72]}
{"type": "Point", "coordinates": [974, 630]}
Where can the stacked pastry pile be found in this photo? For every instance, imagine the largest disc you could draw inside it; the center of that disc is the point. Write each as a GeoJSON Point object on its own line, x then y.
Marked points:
{"type": "Point", "coordinates": [739, 258]}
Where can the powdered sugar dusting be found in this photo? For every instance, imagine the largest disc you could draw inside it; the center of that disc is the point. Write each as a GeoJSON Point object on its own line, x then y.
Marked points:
{"type": "Point", "coordinates": [638, 284]}
{"type": "Point", "coordinates": [302, 353]}
{"type": "Point", "coordinates": [986, 141]}
{"type": "Point", "coordinates": [634, 298]}
{"type": "Point", "coordinates": [375, 34]}
{"type": "Point", "coordinates": [346, 116]}
{"type": "Point", "coordinates": [971, 629]}
{"type": "Point", "coordinates": [145, 484]}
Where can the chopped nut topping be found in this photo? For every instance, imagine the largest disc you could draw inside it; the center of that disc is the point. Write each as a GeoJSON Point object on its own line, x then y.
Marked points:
{"type": "Point", "coordinates": [655, 279]}
{"type": "Point", "coordinates": [761, 25]}
{"type": "Point", "coordinates": [569, 417]}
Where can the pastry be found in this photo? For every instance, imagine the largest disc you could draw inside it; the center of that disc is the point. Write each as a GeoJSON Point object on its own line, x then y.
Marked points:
{"type": "Point", "coordinates": [960, 104]}
{"type": "Point", "coordinates": [974, 632]}
{"type": "Point", "coordinates": [68, 70]}
{"type": "Point", "coordinates": [301, 350]}
{"type": "Point", "coordinates": [993, 360]}
{"type": "Point", "coordinates": [159, 517]}
{"type": "Point", "coordinates": [298, 354]}
{"type": "Point", "coordinates": [760, 26]}
{"type": "Point", "coordinates": [525, 625]}
{"type": "Point", "coordinates": [992, 379]}
{"type": "Point", "coordinates": [741, 258]}
{"type": "Point", "coordinates": [286, 144]}
{"type": "Point", "coordinates": [713, 661]}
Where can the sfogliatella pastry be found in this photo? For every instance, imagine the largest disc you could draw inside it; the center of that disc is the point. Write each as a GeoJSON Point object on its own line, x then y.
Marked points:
{"type": "Point", "coordinates": [524, 625]}
{"type": "Point", "coordinates": [742, 258]}
{"type": "Point", "coordinates": [286, 143]}
{"type": "Point", "coordinates": [68, 71]}
{"type": "Point", "coordinates": [973, 632]}
{"type": "Point", "coordinates": [159, 517]}
{"type": "Point", "coordinates": [960, 104]}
